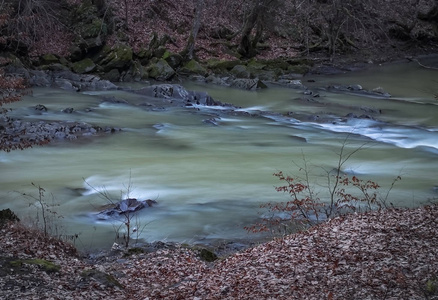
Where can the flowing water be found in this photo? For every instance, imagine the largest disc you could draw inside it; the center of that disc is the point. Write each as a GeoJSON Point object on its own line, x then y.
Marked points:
{"type": "Point", "coordinates": [209, 180]}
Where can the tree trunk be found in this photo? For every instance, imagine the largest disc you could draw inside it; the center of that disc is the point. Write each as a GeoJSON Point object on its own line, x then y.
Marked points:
{"type": "Point", "coordinates": [247, 45]}
{"type": "Point", "coordinates": [189, 50]}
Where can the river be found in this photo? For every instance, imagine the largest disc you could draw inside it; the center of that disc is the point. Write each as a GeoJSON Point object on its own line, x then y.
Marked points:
{"type": "Point", "coordinates": [209, 180]}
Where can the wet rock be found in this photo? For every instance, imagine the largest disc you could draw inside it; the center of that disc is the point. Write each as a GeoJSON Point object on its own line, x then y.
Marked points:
{"type": "Point", "coordinates": [212, 121]}
{"type": "Point", "coordinates": [248, 84]}
{"type": "Point", "coordinates": [160, 70]}
{"type": "Point", "coordinates": [40, 107]}
{"type": "Point", "coordinates": [381, 91]}
{"type": "Point", "coordinates": [355, 87]}
{"type": "Point", "coordinates": [125, 206]}
{"type": "Point", "coordinates": [68, 110]}
{"type": "Point", "coordinates": [16, 131]}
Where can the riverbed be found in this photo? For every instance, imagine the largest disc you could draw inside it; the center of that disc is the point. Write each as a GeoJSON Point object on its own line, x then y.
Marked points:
{"type": "Point", "coordinates": [209, 170]}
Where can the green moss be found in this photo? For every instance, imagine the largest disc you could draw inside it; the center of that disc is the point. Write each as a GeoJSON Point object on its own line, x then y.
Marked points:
{"type": "Point", "coordinates": [207, 255]}
{"type": "Point", "coordinates": [45, 265]}
{"type": "Point", "coordinates": [193, 67]}
{"type": "Point", "coordinates": [224, 65]}
{"type": "Point", "coordinates": [299, 69]}
{"type": "Point", "coordinates": [119, 57]}
{"type": "Point", "coordinates": [49, 59]}
{"type": "Point", "coordinates": [84, 66]}
{"type": "Point", "coordinates": [256, 65]}
{"type": "Point", "coordinates": [95, 28]}
{"type": "Point", "coordinates": [160, 70]}
{"type": "Point", "coordinates": [432, 286]}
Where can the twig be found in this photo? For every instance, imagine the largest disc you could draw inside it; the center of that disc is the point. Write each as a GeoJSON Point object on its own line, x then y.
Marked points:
{"type": "Point", "coordinates": [422, 65]}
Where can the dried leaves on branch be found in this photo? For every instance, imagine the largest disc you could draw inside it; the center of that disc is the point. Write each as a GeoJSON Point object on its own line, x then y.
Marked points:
{"type": "Point", "coordinates": [391, 254]}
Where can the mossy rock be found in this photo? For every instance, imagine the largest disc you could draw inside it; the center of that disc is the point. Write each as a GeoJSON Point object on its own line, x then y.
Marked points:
{"type": "Point", "coordinates": [277, 64]}
{"type": "Point", "coordinates": [96, 28]}
{"type": "Point", "coordinates": [85, 12]}
{"type": "Point", "coordinates": [7, 215]}
{"type": "Point", "coordinates": [207, 255]}
{"type": "Point", "coordinates": [136, 72]}
{"type": "Point", "coordinates": [299, 69]}
{"type": "Point", "coordinates": [173, 59]}
{"type": "Point", "coordinates": [193, 67]}
{"type": "Point", "coordinates": [159, 52]}
{"type": "Point", "coordinates": [222, 65]}
{"type": "Point", "coordinates": [432, 286]}
{"type": "Point", "coordinates": [45, 265]}
{"type": "Point", "coordinates": [84, 66]}
{"type": "Point", "coordinates": [256, 65]}
{"type": "Point", "coordinates": [101, 277]}
{"type": "Point", "coordinates": [113, 75]}
{"type": "Point", "coordinates": [48, 59]}
{"type": "Point", "coordinates": [160, 70]}
{"type": "Point", "coordinates": [265, 75]}
{"type": "Point", "coordinates": [118, 57]}
{"type": "Point", "coordinates": [240, 71]}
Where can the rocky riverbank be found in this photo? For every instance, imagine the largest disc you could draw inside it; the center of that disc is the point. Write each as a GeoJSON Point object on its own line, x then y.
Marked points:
{"type": "Point", "coordinates": [389, 254]}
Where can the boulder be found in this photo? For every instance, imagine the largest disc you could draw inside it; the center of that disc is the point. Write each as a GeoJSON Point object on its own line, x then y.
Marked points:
{"type": "Point", "coordinates": [84, 66]}
{"type": "Point", "coordinates": [48, 59]}
{"type": "Point", "coordinates": [221, 66]}
{"type": "Point", "coordinates": [240, 71]}
{"type": "Point", "coordinates": [248, 84]}
{"type": "Point", "coordinates": [193, 67]}
{"type": "Point", "coordinates": [125, 206]}
{"type": "Point", "coordinates": [173, 59]}
{"type": "Point", "coordinates": [136, 72]}
{"type": "Point", "coordinates": [113, 75]}
{"type": "Point", "coordinates": [117, 57]}
{"type": "Point", "coordinates": [160, 70]}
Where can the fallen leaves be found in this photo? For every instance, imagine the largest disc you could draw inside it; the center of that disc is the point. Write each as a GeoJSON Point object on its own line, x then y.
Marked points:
{"type": "Point", "coordinates": [391, 254]}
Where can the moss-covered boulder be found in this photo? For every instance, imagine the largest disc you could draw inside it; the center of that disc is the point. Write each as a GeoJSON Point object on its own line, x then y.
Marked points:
{"type": "Point", "coordinates": [193, 67]}
{"type": "Point", "coordinates": [219, 66]}
{"type": "Point", "coordinates": [96, 28]}
{"type": "Point", "coordinates": [84, 66]}
{"type": "Point", "coordinates": [207, 255]}
{"type": "Point", "coordinates": [160, 70]}
{"type": "Point", "coordinates": [240, 71]}
{"type": "Point", "coordinates": [112, 75]}
{"type": "Point", "coordinates": [136, 72]}
{"type": "Point", "coordinates": [48, 59]}
{"type": "Point", "coordinates": [90, 29]}
{"type": "Point", "coordinates": [173, 59]}
{"type": "Point", "coordinates": [117, 57]}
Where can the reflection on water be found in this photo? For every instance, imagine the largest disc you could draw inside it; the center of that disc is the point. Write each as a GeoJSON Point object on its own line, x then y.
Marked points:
{"type": "Point", "coordinates": [209, 180]}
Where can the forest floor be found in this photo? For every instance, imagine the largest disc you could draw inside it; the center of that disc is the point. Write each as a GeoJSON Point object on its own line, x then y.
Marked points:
{"type": "Point", "coordinates": [390, 254]}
